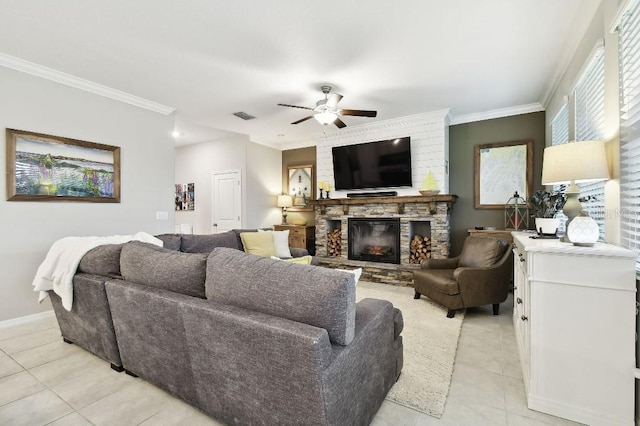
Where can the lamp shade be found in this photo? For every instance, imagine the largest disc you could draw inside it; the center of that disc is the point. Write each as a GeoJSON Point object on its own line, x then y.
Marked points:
{"type": "Point", "coordinates": [285, 201]}
{"type": "Point", "coordinates": [582, 161]}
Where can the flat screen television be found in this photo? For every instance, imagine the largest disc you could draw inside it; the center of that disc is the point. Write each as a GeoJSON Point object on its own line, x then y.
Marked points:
{"type": "Point", "coordinates": [381, 164]}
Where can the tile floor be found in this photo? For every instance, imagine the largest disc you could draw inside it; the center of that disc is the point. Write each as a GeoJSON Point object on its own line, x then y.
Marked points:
{"type": "Point", "coordinates": [44, 381]}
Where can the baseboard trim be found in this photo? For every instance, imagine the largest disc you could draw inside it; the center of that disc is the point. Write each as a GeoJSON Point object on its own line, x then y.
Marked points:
{"type": "Point", "coordinates": [27, 319]}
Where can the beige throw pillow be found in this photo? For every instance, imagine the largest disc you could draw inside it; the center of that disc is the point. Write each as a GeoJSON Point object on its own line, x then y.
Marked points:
{"type": "Point", "coordinates": [281, 241]}
{"type": "Point", "coordinates": [259, 243]}
{"type": "Point", "coordinates": [303, 260]}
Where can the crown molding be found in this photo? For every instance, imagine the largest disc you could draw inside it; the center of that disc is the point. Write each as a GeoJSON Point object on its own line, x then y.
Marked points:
{"type": "Point", "coordinates": [497, 113]}
{"type": "Point", "coordinates": [82, 84]}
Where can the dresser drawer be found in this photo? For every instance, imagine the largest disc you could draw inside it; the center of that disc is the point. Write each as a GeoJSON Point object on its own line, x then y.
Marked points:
{"type": "Point", "coordinates": [297, 232]}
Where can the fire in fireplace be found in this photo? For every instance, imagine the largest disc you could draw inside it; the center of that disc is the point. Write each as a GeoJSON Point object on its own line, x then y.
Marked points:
{"type": "Point", "coordinates": [374, 240]}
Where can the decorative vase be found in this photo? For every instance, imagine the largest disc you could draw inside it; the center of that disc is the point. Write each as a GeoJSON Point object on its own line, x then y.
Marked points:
{"type": "Point", "coordinates": [547, 225]}
{"type": "Point", "coordinates": [583, 231]}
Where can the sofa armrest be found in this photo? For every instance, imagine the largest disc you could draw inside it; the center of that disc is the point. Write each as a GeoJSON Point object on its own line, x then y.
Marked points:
{"type": "Point", "coordinates": [298, 252]}
{"type": "Point", "coordinates": [451, 263]}
{"type": "Point", "coordinates": [375, 347]}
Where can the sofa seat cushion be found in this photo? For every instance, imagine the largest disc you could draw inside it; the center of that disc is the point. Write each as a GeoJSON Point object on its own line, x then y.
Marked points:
{"type": "Point", "coordinates": [158, 267]}
{"type": "Point", "coordinates": [102, 260]}
{"type": "Point", "coordinates": [440, 280]}
{"type": "Point", "coordinates": [313, 295]}
{"type": "Point", "coordinates": [206, 243]}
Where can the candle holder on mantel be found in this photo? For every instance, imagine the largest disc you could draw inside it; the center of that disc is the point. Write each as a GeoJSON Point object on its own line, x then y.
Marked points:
{"type": "Point", "coordinates": [321, 196]}
{"type": "Point", "coordinates": [327, 194]}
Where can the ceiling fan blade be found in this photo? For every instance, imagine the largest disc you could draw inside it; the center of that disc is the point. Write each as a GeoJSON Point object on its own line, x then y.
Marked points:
{"type": "Point", "coordinates": [295, 106]}
{"type": "Point", "coordinates": [339, 123]}
{"type": "Point", "coordinates": [333, 100]}
{"type": "Point", "coordinates": [302, 119]}
{"type": "Point", "coordinates": [358, 112]}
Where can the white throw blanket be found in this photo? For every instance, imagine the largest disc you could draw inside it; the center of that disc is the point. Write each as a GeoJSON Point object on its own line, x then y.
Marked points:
{"type": "Point", "coordinates": [62, 260]}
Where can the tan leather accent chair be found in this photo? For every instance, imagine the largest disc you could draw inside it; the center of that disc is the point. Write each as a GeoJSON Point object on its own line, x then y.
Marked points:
{"type": "Point", "coordinates": [480, 275]}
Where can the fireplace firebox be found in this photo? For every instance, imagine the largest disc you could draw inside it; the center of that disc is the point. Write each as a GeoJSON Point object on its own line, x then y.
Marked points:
{"type": "Point", "coordinates": [374, 240]}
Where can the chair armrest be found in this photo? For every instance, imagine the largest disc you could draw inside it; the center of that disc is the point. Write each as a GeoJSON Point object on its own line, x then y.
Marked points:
{"type": "Point", "coordinates": [451, 263]}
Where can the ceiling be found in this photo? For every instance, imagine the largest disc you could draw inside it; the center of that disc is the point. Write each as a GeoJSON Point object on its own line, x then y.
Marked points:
{"type": "Point", "coordinates": [208, 59]}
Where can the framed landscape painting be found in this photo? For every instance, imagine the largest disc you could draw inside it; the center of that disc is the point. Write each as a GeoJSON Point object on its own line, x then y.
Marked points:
{"type": "Point", "coordinates": [51, 168]}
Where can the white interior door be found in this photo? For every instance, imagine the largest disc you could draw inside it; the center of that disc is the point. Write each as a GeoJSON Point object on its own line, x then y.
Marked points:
{"type": "Point", "coordinates": [227, 201]}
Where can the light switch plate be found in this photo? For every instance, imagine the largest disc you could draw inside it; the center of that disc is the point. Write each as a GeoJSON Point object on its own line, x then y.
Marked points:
{"type": "Point", "coordinates": [162, 215]}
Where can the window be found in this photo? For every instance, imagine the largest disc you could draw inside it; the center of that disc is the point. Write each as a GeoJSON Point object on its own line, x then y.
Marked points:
{"type": "Point", "coordinates": [560, 135]}
{"type": "Point", "coordinates": [589, 121]}
{"type": "Point", "coordinates": [629, 58]}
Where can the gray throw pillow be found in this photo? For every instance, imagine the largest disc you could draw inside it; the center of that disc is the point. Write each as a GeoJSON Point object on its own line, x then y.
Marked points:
{"type": "Point", "coordinates": [147, 264]}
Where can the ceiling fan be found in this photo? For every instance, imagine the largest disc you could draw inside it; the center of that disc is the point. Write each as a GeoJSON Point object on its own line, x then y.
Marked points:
{"type": "Point", "coordinates": [326, 111]}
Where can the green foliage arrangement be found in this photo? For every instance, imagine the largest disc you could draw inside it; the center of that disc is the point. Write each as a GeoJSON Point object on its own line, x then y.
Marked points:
{"type": "Point", "coordinates": [546, 204]}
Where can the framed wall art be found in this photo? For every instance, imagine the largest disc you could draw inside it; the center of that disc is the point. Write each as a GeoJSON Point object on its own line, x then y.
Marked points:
{"type": "Point", "coordinates": [185, 196]}
{"type": "Point", "coordinates": [300, 187]}
{"type": "Point", "coordinates": [501, 169]}
{"type": "Point", "coordinates": [51, 168]}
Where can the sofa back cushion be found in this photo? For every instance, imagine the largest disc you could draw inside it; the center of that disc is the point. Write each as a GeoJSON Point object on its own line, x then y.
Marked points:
{"type": "Point", "coordinates": [321, 297]}
{"type": "Point", "coordinates": [170, 241]}
{"type": "Point", "coordinates": [158, 267]}
{"type": "Point", "coordinates": [479, 252]}
{"type": "Point", "coordinates": [205, 243]}
{"type": "Point", "coordinates": [102, 260]}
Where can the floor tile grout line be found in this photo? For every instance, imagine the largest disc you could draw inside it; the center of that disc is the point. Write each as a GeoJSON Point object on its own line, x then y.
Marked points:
{"type": "Point", "coordinates": [30, 333]}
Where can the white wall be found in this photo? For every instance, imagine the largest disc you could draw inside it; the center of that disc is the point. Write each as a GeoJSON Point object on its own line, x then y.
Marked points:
{"type": "Point", "coordinates": [429, 134]}
{"type": "Point", "coordinates": [29, 228]}
{"type": "Point", "coordinates": [261, 180]}
{"type": "Point", "coordinates": [597, 32]}
{"type": "Point", "coordinates": [263, 184]}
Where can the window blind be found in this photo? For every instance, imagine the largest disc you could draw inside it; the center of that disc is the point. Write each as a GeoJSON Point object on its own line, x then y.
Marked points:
{"type": "Point", "coordinates": [629, 58]}
{"type": "Point", "coordinates": [589, 125]}
{"type": "Point", "coordinates": [560, 135]}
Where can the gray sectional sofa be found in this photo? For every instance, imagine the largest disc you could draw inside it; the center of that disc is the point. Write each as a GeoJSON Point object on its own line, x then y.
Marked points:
{"type": "Point", "coordinates": [249, 340]}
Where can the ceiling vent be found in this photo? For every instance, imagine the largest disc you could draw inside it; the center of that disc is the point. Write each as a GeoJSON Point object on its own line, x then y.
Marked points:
{"type": "Point", "coordinates": [243, 115]}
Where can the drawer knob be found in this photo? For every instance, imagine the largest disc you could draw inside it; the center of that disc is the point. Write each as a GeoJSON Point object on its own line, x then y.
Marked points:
{"type": "Point", "coordinates": [522, 259]}
{"type": "Point", "coordinates": [518, 300]}
{"type": "Point", "coordinates": [519, 254]}
{"type": "Point", "coordinates": [523, 318]}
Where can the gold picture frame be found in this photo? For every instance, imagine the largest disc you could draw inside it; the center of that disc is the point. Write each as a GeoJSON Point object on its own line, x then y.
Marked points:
{"type": "Point", "coordinates": [501, 169]}
{"type": "Point", "coordinates": [300, 187]}
{"type": "Point", "coordinates": [42, 167]}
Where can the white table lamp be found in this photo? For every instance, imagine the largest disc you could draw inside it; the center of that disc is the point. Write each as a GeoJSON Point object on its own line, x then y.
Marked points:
{"type": "Point", "coordinates": [284, 201]}
{"type": "Point", "coordinates": [572, 162]}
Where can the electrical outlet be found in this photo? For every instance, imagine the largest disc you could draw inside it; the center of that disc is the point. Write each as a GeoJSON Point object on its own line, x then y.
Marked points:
{"type": "Point", "coordinates": [162, 215]}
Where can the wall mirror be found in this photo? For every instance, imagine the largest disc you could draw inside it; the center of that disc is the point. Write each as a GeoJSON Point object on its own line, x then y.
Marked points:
{"type": "Point", "coordinates": [300, 187]}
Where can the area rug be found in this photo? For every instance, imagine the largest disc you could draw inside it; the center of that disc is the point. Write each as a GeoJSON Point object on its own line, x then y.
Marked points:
{"type": "Point", "coordinates": [430, 340]}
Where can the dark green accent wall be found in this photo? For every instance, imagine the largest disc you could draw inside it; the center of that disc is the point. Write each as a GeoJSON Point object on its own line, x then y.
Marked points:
{"type": "Point", "coordinates": [462, 140]}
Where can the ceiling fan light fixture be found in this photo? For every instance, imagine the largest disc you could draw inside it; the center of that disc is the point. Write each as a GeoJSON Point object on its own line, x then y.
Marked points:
{"type": "Point", "coordinates": [325, 117]}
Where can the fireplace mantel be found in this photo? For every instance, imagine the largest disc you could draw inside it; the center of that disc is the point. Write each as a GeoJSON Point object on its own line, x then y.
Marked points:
{"type": "Point", "coordinates": [432, 200]}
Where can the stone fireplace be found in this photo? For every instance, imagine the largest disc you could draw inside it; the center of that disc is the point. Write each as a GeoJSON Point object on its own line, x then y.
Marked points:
{"type": "Point", "coordinates": [374, 240]}
{"type": "Point", "coordinates": [419, 218]}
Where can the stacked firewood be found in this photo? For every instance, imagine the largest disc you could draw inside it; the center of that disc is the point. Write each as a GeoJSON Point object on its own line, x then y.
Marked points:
{"type": "Point", "coordinates": [333, 242]}
{"type": "Point", "coordinates": [420, 249]}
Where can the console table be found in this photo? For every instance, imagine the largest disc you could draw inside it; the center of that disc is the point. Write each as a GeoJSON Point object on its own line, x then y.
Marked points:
{"type": "Point", "coordinates": [575, 316]}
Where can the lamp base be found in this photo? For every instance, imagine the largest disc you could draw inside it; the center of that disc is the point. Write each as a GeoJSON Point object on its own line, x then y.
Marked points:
{"type": "Point", "coordinates": [572, 207]}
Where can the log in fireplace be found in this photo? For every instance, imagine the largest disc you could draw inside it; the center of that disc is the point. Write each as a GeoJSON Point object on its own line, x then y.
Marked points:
{"type": "Point", "coordinates": [374, 239]}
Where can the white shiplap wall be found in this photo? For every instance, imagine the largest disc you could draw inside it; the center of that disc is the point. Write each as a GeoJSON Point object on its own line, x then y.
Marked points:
{"type": "Point", "coordinates": [429, 134]}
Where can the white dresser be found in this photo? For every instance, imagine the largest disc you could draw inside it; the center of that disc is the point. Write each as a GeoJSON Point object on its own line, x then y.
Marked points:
{"type": "Point", "coordinates": [574, 317]}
